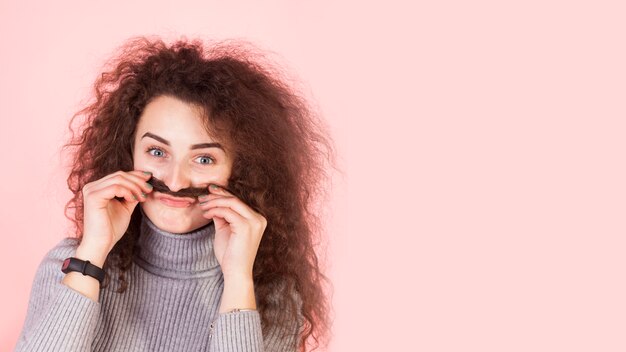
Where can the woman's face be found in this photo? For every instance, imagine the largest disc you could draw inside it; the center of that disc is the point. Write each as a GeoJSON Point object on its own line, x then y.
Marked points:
{"type": "Point", "coordinates": [171, 142]}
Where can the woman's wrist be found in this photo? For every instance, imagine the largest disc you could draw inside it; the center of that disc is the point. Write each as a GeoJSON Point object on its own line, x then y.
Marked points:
{"type": "Point", "coordinates": [238, 294]}
{"type": "Point", "coordinates": [95, 254]}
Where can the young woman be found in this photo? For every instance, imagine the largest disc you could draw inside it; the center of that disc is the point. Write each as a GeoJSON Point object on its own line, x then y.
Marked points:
{"type": "Point", "coordinates": [194, 175]}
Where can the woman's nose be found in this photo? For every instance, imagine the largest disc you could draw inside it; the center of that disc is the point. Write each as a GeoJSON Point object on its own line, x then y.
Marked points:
{"type": "Point", "coordinates": [177, 179]}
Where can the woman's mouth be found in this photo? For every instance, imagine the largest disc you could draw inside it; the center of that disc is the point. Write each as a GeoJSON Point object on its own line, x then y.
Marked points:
{"type": "Point", "coordinates": [174, 201]}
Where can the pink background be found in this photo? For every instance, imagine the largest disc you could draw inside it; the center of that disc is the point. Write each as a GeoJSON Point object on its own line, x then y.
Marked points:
{"type": "Point", "coordinates": [483, 142]}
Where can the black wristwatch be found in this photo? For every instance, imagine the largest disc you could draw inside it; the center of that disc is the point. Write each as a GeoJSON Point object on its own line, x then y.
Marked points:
{"type": "Point", "coordinates": [84, 267]}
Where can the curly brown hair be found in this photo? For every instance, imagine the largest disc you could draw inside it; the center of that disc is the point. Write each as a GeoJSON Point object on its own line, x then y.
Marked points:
{"type": "Point", "coordinates": [280, 145]}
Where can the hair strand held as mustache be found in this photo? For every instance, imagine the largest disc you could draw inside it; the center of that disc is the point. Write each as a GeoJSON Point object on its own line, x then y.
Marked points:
{"type": "Point", "coordinates": [194, 192]}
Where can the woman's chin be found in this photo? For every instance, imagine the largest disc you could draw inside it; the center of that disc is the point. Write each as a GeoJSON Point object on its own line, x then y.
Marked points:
{"type": "Point", "coordinates": [174, 220]}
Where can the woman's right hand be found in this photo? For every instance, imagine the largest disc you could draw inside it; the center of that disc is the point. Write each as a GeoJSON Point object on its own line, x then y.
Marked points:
{"type": "Point", "coordinates": [106, 218]}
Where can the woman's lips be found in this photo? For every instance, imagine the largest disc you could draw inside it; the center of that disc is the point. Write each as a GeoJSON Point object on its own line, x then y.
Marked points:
{"type": "Point", "coordinates": [174, 202]}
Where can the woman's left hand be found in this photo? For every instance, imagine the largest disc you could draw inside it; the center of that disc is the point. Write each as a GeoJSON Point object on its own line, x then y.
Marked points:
{"type": "Point", "coordinates": [238, 232]}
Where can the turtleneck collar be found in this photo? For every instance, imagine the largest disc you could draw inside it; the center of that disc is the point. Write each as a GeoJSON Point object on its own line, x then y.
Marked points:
{"type": "Point", "coordinates": [174, 255]}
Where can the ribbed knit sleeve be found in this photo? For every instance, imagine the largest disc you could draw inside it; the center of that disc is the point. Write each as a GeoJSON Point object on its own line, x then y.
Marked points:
{"type": "Point", "coordinates": [242, 331]}
{"type": "Point", "coordinates": [237, 332]}
{"type": "Point", "coordinates": [58, 317]}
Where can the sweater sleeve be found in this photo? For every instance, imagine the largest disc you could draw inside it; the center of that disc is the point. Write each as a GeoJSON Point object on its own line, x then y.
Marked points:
{"type": "Point", "coordinates": [58, 318]}
{"type": "Point", "coordinates": [242, 332]}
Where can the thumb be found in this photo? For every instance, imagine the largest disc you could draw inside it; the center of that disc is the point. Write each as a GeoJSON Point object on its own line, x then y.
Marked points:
{"type": "Point", "coordinates": [219, 223]}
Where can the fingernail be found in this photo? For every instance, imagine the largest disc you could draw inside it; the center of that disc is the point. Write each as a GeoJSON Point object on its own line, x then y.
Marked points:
{"type": "Point", "coordinates": [203, 197]}
{"type": "Point", "coordinates": [147, 172]}
{"type": "Point", "coordinates": [214, 186]}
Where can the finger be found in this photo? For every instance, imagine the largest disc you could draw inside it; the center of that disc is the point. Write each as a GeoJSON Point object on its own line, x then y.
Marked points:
{"type": "Point", "coordinates": [137, 176]}
{"type": "Point", "coordinates": [205, 198]}
{"type": "Point", "coordinates": [211, 195]}
{"type": "Point", "coordinates": [217, 189]}
{"type": "Point", "coordinates": [112, 191]}
{"type": "Point", "coordinates": [138, 187]}
{"type": "Point", "coordinates": [232, 203]}
{"type": "Point", "coordinates": [141, 178]}
{"type": "Point", "coordinates": [227, 214]}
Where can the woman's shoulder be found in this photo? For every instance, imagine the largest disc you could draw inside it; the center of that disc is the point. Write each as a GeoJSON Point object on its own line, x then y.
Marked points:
{"type": "Point", "coordinates": [66, 247]}
{"type": "Point", "coordinates": [55, 256]}
{"type": "Point", "coordinates": [48, 273]}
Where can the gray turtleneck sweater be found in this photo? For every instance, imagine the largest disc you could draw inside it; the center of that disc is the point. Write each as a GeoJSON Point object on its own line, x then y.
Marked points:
{"type": "Point", "coordinates": [171, 303]}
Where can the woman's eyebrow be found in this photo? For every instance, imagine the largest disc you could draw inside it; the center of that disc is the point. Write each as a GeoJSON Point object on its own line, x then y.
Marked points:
{"type": "Point", "coordinates": [194, 146]}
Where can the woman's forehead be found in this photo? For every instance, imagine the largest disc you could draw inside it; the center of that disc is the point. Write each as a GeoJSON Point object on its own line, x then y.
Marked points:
{"type": "Point", "coordinates": [174, 120]}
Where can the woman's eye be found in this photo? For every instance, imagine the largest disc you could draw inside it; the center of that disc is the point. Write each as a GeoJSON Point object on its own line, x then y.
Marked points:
{"type": "Point", "coordinates": [206, 159]}
{"type": "Point", "coordinates": [158, 151]}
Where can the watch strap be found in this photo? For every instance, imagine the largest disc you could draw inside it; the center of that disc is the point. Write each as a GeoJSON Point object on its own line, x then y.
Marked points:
{"type": "Point", "coordinates": [84, 267]}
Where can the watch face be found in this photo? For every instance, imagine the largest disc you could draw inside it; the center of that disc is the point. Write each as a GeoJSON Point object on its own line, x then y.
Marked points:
{"type": "Point", "coordinates": [66, 263]}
